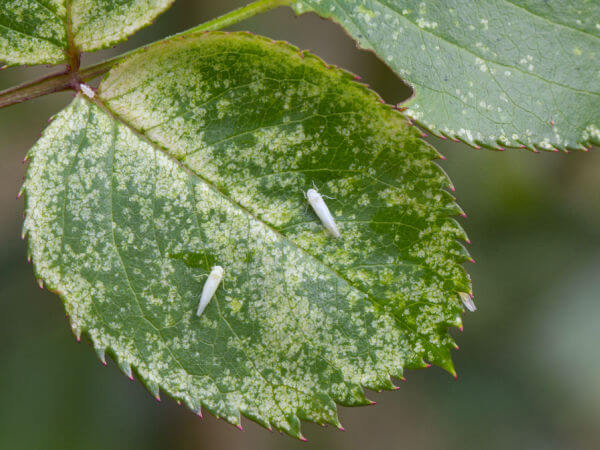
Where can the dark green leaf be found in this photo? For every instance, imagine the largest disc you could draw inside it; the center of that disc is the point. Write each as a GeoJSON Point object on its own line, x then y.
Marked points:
{"type": "Point", "coordinates": [489, 72]}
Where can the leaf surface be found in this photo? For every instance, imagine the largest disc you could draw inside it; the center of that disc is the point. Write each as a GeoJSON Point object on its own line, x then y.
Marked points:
{"type": "Point", "coordinates": [198, 152]}
{"type": "Point", "coordinates": [100, 23]}
{"type": "Point", "coordinates": [40, 31]}
{"type": "Point", "coordinates": [489, 72]}
{"type": "Point", "coordinates": [33, 31]}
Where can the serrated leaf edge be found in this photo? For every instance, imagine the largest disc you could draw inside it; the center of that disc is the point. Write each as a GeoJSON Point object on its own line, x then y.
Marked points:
{"type": "Point", "coordinates": [195, 404]}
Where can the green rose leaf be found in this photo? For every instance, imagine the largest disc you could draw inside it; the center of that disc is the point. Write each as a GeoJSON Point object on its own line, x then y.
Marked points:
{"type": "Point", "coordinates": [198, 152]}
{"type": "Point", "coordinates": [42, 31]}
{"type": "Point", "coordinates": [509, 73]}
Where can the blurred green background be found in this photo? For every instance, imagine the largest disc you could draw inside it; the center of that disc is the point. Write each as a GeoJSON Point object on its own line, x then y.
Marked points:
{"type": "Point", "coordinates": [529, 368]}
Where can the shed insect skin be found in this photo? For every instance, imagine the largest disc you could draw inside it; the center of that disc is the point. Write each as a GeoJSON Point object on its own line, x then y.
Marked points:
{"type": "Point", "coordinates": [467, 301]}
{"type": "Point", "coordinates": [318, 204]}
{"type": "Point", "coordinates": [210, 287]}
{"type": "Point", "coordinates": [87, 91]}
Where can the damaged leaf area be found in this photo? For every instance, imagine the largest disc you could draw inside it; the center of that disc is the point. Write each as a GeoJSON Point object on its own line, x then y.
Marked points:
{"type": "Point", "coordinates": [520, 73]}
{"type": "Point", "coordinates": [100, 23]}
{"type": "Point", "coordinates": [38, 31]}
{"type": "Point", "coordinates": [198, 152]}
{"type": "Point", "coordinates": [33, 31]}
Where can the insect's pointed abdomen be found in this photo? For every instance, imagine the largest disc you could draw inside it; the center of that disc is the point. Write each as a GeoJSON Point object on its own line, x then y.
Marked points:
{"type": "Point", "coordinates": [318, 204]}
{"type": "Point", "coordinates": [210, 287]}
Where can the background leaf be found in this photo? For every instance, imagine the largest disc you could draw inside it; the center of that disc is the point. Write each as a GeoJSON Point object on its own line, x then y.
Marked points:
{"type": "Point", "coordinates": [101, 23]}
{"type": "Point", "coordinates": [33, 31]}
{"type": "Point", "coordinates": [199, 153]}
{"type": "Point", "coordinates": [37, 31]}
{"type": "Point", "coordinates": [510, 72]}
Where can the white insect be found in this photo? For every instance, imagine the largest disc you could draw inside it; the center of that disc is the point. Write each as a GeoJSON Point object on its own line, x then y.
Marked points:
{"type": "Point", "coordinates": [210, 287]}
{"type": "Point", "coordinates": [88, 91]}
{"type": "Point", "coordinates": [318, 204]}
{"type": "Point", "coordinates": [467, 301]}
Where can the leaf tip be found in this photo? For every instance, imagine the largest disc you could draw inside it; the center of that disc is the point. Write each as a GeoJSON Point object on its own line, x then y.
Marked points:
{"type": "Point", "coordinates": [101, 352]}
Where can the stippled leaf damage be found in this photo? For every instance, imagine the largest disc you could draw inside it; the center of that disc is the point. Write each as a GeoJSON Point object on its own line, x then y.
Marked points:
{"type": "Point", "coordinates": [41, 31]}
{"type": "Point", "coordinates": [199, 152]}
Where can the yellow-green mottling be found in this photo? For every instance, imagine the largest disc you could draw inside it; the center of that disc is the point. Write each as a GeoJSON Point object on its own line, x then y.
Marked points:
{"type": "Point", "coordinates": [36, 31]}
{"type": "Point", "coordinates": [198, 152]}
{"type": "Point", "coordinates": [489, 72]}
{"type": "Point", "coordinates": [100, 23]}
{"type": "Point", "coordinates": [33, 31]}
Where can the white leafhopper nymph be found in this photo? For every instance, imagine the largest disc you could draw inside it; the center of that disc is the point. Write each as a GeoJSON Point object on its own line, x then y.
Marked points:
{"type": "Point", "coordinates": [318, 204]}
{"type": "Point", "coordinates": [467, 301]}
{"type": "Point", "coordinates": [210, 287]}
{"type": "Point", "coordinates": [87, 91]}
